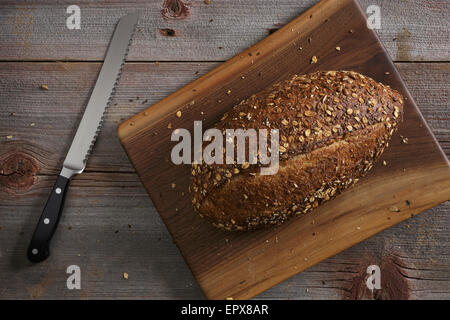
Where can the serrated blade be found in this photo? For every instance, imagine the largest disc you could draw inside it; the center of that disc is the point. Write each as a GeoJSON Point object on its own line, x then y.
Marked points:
{"type": "Point", "coordinates": [101, 97]}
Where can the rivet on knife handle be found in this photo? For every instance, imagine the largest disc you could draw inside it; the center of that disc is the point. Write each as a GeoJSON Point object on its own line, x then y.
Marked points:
{"type": "Point", "coordinates": [85, 136]}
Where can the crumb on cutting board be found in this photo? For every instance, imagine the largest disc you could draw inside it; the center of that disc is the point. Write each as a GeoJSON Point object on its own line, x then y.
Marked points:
{"type": "Point", "coordinates": [394, 209]}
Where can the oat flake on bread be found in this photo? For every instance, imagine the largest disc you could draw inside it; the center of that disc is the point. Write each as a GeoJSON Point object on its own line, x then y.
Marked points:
{"type": "Point", "coordinates": [333, 126]}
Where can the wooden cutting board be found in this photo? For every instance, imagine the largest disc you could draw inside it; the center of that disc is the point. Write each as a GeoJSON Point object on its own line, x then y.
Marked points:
{"type": "Point", "coordinates": [241, 265]}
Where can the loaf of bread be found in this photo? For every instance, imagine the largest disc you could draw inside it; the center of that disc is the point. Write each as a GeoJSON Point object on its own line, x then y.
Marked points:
{"type": "Point", "coordinates": [332, 127]}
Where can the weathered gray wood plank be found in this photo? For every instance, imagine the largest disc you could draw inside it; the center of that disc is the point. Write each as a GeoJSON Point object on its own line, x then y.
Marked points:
{"type": "Point", "coordinates": [412, 30]}
{"type": "Point", "coordinates": [110, 226]}
{"type": "Point", "coordinates": [41, 123]}
{"type": "Point", "coordinates": [44, 121]}
{"type": "Point", "coordinates": [108, 197]}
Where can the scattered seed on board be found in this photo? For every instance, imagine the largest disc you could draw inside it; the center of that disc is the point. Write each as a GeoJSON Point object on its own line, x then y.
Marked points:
{"type": "Point", "coordinates": [313, 59]}
{"type": "Point", "coordinates": [178, 114]}
{"type": "Point", "coordinates": [338, 48]}
{"type": "Point", "coordinates": [394, 209]}
{"type": "Point", "coordinates": [44, 87]}
{"type": "Point", "coordinates": [125, 276]}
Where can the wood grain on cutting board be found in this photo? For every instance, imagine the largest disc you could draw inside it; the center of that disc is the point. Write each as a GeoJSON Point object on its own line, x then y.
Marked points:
{"type": "Point", "coordinates": [241, 265]}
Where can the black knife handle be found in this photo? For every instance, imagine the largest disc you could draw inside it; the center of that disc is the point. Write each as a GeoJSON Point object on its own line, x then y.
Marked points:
{"type": "Point", "coordinates": [39, 246]}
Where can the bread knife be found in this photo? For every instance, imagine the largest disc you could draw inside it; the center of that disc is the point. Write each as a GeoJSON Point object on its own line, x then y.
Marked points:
{"type": "Point", "coordinates": [85, 136]}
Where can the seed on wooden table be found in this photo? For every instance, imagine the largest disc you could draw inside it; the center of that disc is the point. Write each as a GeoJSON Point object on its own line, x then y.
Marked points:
{"type": "Point", "coordinates": [313, 59]}
{"type": "Point", "coordinates": [178, 114]}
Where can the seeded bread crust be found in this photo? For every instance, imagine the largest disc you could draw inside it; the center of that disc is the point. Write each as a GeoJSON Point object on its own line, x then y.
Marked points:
{"type": "Point", "coordinates": [333, 126]}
